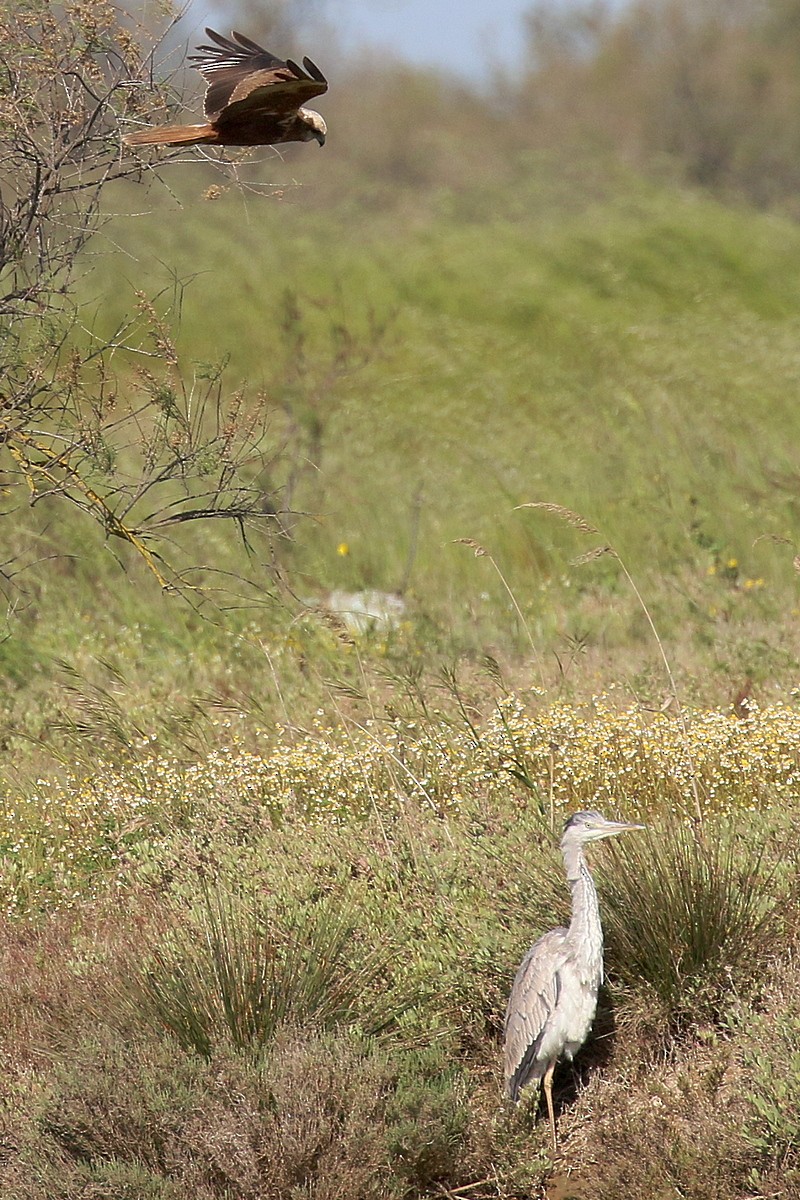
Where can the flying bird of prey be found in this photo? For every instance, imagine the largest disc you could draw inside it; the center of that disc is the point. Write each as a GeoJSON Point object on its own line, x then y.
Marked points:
{"type": "Point", "coordinates": [252, 99]}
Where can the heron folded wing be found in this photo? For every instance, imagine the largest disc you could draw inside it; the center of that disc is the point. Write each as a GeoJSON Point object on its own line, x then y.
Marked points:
{"type": "Point", "coordinates": [533, 999]}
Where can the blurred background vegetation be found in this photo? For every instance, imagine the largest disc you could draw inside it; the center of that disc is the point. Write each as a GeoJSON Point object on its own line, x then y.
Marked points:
{"type": "Point", "coordinates": [577, 285]}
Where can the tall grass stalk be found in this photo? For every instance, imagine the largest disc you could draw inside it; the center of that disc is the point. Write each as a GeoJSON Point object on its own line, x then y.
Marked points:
{"type": "Point", "coordinates": [236, 973]}
{"type": "Point", "coordinates": [481, 552]}
{"type": "Point", "coordinates": [580, 523]}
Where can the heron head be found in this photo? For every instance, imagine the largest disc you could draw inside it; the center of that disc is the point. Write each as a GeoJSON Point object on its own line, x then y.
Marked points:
{"type": "Point", "coordinates": [315, 127]}
{"type": "Point", "coordinates": [591, 826]}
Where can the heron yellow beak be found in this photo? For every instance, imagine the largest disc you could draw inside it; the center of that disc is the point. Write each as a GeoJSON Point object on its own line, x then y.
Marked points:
{"type": "Point", "coordinates": [614, 827]}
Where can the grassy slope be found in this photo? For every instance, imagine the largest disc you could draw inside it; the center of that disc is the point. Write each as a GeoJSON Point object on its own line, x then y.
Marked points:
{"type": "Point", "coordinates": [619, 361]}
{"type": "Point", "coordinates": [634, 359]}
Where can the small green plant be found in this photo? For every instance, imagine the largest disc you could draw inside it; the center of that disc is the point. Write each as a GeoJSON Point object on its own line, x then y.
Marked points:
{"type": "Point", "coordinates": [427, 1119]}
{"type": "Point", "coordinates": [236, 973]}
{"type": "Point", "coordinates": [690, 920]}
{"type": "Point", "coordinates": [773, 1068]}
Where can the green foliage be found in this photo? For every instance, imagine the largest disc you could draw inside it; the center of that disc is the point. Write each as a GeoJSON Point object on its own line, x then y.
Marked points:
{"type": "Point", "coordinates": [677, 317]}
{"type": "Point", "coordinates": [709, 93]}
{"type": "Point", "coordinates": [233, 971]}
{"type": "Point", "coordinates": [690, 919]}
{"type": "Point", "coordinates": [427, 1120]}
{"type": "Point", "coordinates": [772, 1066]}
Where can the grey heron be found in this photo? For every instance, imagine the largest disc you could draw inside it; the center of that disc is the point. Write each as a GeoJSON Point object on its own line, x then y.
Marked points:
{"type": "Point", "coordinates": [554, 995]}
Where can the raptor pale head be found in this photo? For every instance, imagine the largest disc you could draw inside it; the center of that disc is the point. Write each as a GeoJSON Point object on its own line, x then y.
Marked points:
{"type": "Point", "coordinates": [314, 126]}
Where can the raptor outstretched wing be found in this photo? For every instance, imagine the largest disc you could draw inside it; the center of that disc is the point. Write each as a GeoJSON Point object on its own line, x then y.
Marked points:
{"type": "Point", "coordinates": [245, 79]}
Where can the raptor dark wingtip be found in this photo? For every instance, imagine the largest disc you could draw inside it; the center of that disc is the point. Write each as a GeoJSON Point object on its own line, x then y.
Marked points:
{"type": "Point", "coordinates": [309, 70]}
{"type": "Point", "coordinates": [248, 44]}
{"type": "Point", "coordinates": [314, 70]}
{"type": "Point", "coordinates": [204, 51]}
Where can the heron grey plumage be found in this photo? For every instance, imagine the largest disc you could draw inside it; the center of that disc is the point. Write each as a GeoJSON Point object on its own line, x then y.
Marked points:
{"type": "Point", "coordinates": [554, 995]}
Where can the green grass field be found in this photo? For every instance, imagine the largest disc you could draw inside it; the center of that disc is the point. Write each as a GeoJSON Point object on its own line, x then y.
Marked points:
{"type": "Point", "coordinates": [194, 789]}
{"type": "Point", "coordinates": [634, 361]}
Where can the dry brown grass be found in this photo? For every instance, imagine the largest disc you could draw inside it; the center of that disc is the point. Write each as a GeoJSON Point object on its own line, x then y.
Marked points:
{"type": "Point", "coordinates": [687, 1124]}
{"type": "Point", "coordinates": [95, 1103]}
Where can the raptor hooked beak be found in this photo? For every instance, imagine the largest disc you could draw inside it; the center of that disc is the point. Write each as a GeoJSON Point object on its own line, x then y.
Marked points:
{"type": "Point", "coordinates": [320, 137]}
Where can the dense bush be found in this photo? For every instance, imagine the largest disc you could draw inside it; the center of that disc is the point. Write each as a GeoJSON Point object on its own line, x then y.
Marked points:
{"type": "Point", "coordinates": [241, 1062]}
{"type": "Point", "coordinates": [691, 919]}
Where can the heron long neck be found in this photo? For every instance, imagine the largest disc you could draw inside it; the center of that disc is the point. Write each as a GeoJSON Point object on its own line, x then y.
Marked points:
{"type": "Point", "coordinates": [585, 929]}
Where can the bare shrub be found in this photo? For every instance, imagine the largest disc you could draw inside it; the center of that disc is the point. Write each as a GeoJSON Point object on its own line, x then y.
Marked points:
{"type": "Point", "coordinates": [142, 451]}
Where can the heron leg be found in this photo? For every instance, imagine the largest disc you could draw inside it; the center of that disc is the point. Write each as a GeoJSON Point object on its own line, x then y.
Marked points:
{"type": "Point", "coordinates": [548, 1094]}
